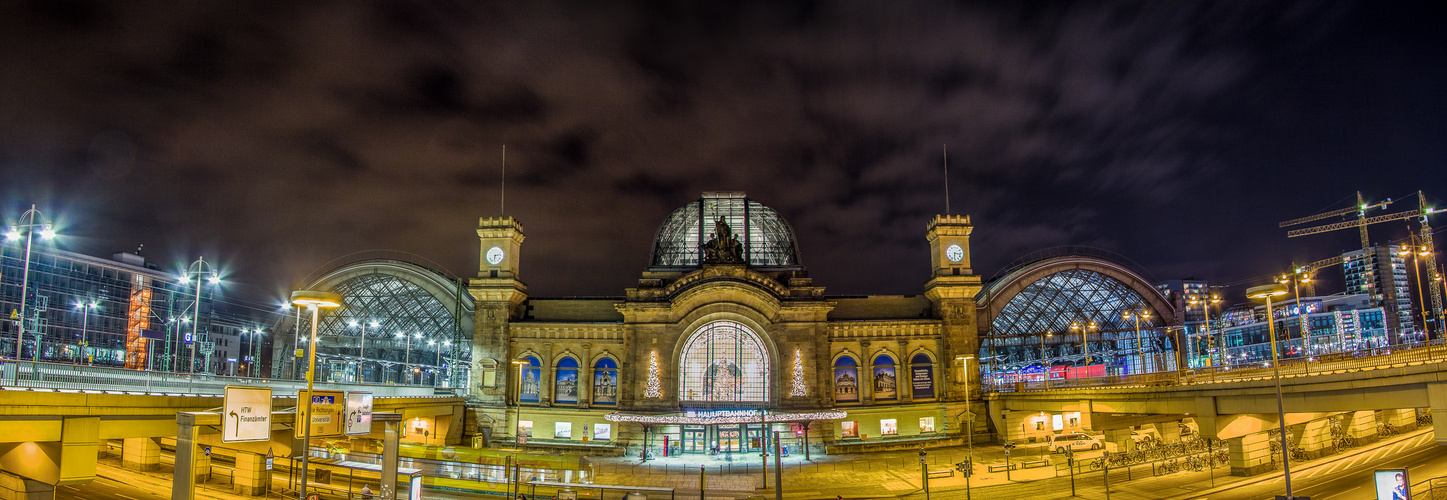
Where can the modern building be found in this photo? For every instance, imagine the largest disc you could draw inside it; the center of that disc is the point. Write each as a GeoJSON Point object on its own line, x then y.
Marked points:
{"type": "Point", "coordinates": [1336, 324]}
{"type": "Point", "coordinates": [89, 309]}
{"type": "Point", "coordinates": [1181, 292]}
{"type": "Point", "coordinates": [1381, 273]}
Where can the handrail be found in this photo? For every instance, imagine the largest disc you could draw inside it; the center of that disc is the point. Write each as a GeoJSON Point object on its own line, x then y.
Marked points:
{"type": "Point", "coordinates": [82, 378]}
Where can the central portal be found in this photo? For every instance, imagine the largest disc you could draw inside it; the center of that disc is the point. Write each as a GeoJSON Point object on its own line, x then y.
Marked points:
{"type": "Point", "coordinates": [724, 362]}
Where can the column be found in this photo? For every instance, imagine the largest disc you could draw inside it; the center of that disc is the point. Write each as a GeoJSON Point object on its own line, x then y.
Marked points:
{"type": "Point", "coordinates": [903, 374]}
{"type": "Point", "coordinates": [1404, 419]}
{"type": "Point", "coordinates": [140, 454]}
{"type": "Point", "coordinates": [549, 376]}
{"type": "Point", "coordinates": [866, 373]}
{"type": "Point", "coordinates": [250, 477]}
{"type": "Point", "coordinates": [1250, 454]}
{"type": "Point", "coordinates": [1121, 438]}
{"type": "Point", "coordinates": [1170, 432]}
{"type": "Point", "coordinates": [1361, 425]}
{"type": "Point", "coordinates": [388, 487]}
{"type": "Point", "coordinates": [585, 378]}
{"type": "Point", "coordinates": [1316, 438]}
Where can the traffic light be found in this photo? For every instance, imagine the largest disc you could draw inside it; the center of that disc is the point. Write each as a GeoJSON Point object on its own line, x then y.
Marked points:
{"type": "Point", "coordinates": [965, 467]}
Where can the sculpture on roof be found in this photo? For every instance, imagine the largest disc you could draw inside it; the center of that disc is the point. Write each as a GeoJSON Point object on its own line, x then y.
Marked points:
{"type": "Point", "coordinates": [724, 247]}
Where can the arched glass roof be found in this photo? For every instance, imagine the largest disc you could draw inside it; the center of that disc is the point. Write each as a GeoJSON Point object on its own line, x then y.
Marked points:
{"type": "Point", "coordinates": [400, 319]}
{"type": "Point", "coordinates": [767, 239]}
{"type": "Point", "coordinates": [1052, 303]}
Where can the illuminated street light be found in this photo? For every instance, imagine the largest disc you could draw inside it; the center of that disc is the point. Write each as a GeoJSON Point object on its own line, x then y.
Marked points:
{"type": "Point", "coordinates": [313, 301]}
{"type": "Point", "coordinates": [518, 429]}
{"type": "Point", "coordinates": [28, 222]}
{"type": "Point", "coordinates": [1268, 292]}
{"type": "Point", "coordinates": [1140, 350]}
{"type": "Point", "coordinates": [362, 346]}
{"type": "Point", "coordinates": [1084, 340]}
{"type": "Point", "coordinates": [198, 269]}
{"type": "Point", "coordinates": [85, 308]}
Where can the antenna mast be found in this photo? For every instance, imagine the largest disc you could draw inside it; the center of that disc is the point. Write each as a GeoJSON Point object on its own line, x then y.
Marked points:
{"type": "Point", "coordinates": [502, 186]}
{"type": "Point", "coordinates": [945, 148]}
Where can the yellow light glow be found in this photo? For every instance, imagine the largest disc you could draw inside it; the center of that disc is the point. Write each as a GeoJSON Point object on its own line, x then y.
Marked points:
{"type": "Point", "coordinates": [309, 298]}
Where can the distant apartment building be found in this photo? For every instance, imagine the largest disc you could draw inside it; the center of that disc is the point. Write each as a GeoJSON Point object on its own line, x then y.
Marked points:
{"type": "Point", "coordinates": [1380, 273]}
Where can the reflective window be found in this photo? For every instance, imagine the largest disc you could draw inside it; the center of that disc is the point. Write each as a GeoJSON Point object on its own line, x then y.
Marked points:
{"type": "Point", "coordinates": [724, 361]}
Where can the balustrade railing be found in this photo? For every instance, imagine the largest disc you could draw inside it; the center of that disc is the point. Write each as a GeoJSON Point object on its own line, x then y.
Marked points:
{"type": "Point", "coordinates": [73, 377]}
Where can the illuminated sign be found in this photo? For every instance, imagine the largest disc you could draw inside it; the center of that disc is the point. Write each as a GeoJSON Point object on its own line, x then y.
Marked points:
{"type": "Point", "coordinates": [326, 413]}
{"type": "Point", "coordinates": [246, 414]}
{"type": "Point", "coordinates": [1392, 484]}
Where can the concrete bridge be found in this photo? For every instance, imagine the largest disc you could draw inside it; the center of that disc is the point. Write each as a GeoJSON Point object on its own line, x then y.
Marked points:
{"type": "Point", "coordinates": [51, 437]}
{"type": "Point", "coordinates": [1324, 402]}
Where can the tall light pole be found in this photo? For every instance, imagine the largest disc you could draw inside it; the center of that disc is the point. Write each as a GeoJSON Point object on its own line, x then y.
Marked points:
{"type": "Point", "coordinates": [448, 368]}
{"type": "Point", "coordinates": [518, 429]}
{"type": "Point", "coordinates": [1045, 368]}
{"type": "Point", "coordinates": [28, 222]}
{"type": "Point", "coordinates": [85, 308]}
{"type": "Point", "coordinates": [1295, 279]}
{"type": "Point", "coordinates": [1140, 350]}
{"type": "Point", "coordinates": [313, 301]}
{"type": "Point", "coordinates": [199, 269]}
{"type": "Point", "coordinates": [362, 346]}
{"type": "Point", "coordinates": [1414, 250]}
{"type": "Point", "coordinates": [969, 432]}
{"type": "Point", "coordinates": [295, 341]}
{"type": "Point", "coordinates": [1206, 322]}
{"type": "Point", "coordinates": [1084, 340]}
{"type": "Point", "coordinates": [1267, 292]}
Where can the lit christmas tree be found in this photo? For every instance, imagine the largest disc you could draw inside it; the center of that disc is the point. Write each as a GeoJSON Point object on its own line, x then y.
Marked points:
{"type": "Point", "coordinates": [798, 389]}
{"type": "Point", "coordinates": [654, 389]}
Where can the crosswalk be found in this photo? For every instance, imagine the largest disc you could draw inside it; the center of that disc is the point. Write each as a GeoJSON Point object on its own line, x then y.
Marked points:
{"type": "Point", "coordinates": [1331, 467]}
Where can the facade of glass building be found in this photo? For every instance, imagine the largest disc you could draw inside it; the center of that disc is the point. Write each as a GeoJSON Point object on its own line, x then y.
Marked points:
{"type": "Point", "coordinates": [1380, 273]}
{"type": "Point", "coordinates": [84, 309]}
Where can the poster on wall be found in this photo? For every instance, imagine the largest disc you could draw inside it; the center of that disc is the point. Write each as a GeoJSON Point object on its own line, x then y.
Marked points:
{"type": "Point", "coordinates": [851, 429]}
{"type": "Point", "coordinates": [525, 428]}
{"type": "Point", "coordinates": [1392, 484]}
{"type": "Point", "coordinates": [530, 385]}
{"type": "Point", "coordinates": [567, 387]}
{"type": "Point", "coordinates": [922, 379]}
{"type": "Point", "coordinates": [563, 430]}
{"type": "Point", "coordinates": [884, 383]}
{"type": "Point", "coordinates": [602, 432]}
{"type": "Point", "coordinates": [605, 382]}
{"type": "Point", "coordinates": [846, 384]}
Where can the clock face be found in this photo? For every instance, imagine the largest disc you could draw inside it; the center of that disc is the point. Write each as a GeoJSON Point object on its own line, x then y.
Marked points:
{"type": "Point", "coordinates": [494, 255]}
{"type": "Point", "coordinates": [954, 253]}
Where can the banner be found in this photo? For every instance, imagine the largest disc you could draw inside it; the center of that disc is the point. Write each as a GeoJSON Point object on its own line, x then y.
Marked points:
{"type": "Point", "coordinates": [885, 384]}
{"type": "Point", "coordinates": [605, 387]}
{"type": "Point", "coordinates": [246, 414]}
{"type": "Point", "coordinates": [326, 415]}
{"type": "Point", "coordinates": [359, 413]}
{"type": "Point", "coordinates": [530, 384]}
{"type": "Point", "coordinates": [846, 384]}
{"type": "Point", "coordinates": [922, 380]}
{"type": "Point", "coordinates": [566, 389]}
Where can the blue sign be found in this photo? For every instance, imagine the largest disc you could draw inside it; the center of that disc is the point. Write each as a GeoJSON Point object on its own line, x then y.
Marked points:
{"type": "Point", "coordinates": [324, 400]}
{"type": "Point", "coordinates": [206, 450]}
{"type": "Point", "coordinates": [153, 334]}
{"type": "Point", "coordinates": [187, 338]}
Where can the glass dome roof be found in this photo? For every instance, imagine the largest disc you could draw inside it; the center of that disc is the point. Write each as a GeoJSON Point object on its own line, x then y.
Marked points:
{"type": "Point", "coordinates": [767, 240]}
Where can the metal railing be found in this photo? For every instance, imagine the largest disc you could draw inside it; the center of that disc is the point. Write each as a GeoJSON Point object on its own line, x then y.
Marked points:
{"type": "Point", "coordinates": [72, 377]}
{"type": "Point", "coordinates": [1341, 362]}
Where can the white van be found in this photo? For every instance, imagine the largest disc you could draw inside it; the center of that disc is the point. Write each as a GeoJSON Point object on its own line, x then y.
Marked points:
{"type": "Point", "coordinates": [1073, 441]}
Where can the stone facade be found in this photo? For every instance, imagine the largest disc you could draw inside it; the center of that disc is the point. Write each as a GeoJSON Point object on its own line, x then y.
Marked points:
{"type": "Point", "coordinates": [787, 336]}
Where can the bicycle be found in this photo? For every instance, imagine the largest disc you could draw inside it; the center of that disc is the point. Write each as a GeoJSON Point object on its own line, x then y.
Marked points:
{"type": "Point", "coordinates": [1299, 454]}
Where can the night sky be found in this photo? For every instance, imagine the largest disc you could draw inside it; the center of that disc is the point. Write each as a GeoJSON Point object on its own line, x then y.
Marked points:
{"type": "Point", "coordinates": [277, 136]}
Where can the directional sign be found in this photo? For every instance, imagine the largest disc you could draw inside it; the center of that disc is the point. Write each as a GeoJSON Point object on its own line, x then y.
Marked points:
{"type": "Point", "coordinates": [246, 414]}
{"type": "Point", "coordinates": [206, 451]}
{"type": "Point", "coordinates": [359, 413]}
{"type": "Point", "coordinates": [326, 418]}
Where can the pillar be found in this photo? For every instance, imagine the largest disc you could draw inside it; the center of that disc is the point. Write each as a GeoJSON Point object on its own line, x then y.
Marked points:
{"type": "Point", "coordinates": [1437, 402]}
{"type": "Point", "coordinates": [1361, 425]}
{"type": "Point", "coordinates": [250, 477]}
{"type": "Point", "coordinates": [192, 466]}
{"type": "Point", "coordinates": [585, 378]}
{"type": "Point", "coordinates": [1170, 432]}
{"type": "Point", "coordinates": [1404, 419]}
{"type": "Point", "coordinates": [140, 454]}
{"type": "Point", "coordinates": [388, 487]}
{"type": "Point", "coordinates": [1316, 438]}
{"type": "Point", "coordinates": [1250, 454]}
{"type": "Point", "coordinates": [21, 487]}
{"type": "Point", "coordinates": [1121, 438]}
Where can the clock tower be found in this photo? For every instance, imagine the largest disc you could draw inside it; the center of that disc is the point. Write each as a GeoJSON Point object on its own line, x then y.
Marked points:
{"type": "Point", "coordinates": [952, 288]}
{"type": "Point", "coordinates": [499, 294]}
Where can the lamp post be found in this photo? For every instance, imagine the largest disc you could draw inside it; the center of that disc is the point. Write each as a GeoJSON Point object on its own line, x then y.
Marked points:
{"type": "Point", "coordinates": [314, 301]}
{"type": "Point", "coordinates": [85, 308]}
{"type": "Point", "coordinates": [969, 432]}
{"type": "Point", "coordinates": [1206, 321]}
{"type": "Point", "coordinates": [1295, 279]}
{"type": "Point", "coordinates": [198, 269]}
{"type": "Point", "coordinates": [407, 364]}
{"type": "Point", "coordinates": [28, 222]}
{"type": "Point", "coordinates": [1267, 292]}
{"type": "Point", "coordinates": [1084, 340]}
{"type": "Point", "coordinates": [518, 429]}
{"type": "Point", "coordinates": [295, 340]}
{"type": "Point", "coordinates": [1140, 347]}
{"type": "Point", "coordinates": [362, 347]}
{"type": "Point", "coordinates": [1044, 367]}
{"type": "Point", "coordinates": [1421, 292]}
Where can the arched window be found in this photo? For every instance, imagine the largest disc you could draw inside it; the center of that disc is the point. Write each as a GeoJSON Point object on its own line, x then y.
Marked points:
{"type": "Point", "coordinates": [885, 383]}
{"type": "Point", "coordinates": [922, 376]}
{"type": "Point", "coordinates": [846, 380]}
{"type": "Point", "coordinates": [565, 387]}
{"type": "Point", "coordinates": [530, 380]}
{"type": "Point", "coordinates": [605, 382]}
{"type": "Point", "coordinates": [724, 361]}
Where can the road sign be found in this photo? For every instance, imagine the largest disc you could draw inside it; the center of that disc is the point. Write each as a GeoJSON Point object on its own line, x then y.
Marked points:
{"type": "Point", "coordinates": [326, 417]}
{"type": "Point", "coordinates": [269, 458]}
{"type": "Point", "coordinates": [206, 451]}
{"type": "Point", "coordinates": [359, 413]}
{"type": "Point", "coordinates": [246, 414]}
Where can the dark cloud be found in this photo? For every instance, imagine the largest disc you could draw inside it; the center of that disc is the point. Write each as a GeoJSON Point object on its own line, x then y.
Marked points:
{"type": "Point", "coordinates": [281, 135]}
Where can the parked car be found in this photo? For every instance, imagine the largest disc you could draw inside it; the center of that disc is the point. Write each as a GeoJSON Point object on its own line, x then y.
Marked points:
{"type": "Point", "coordinates": [1073, 441]}
{"type": "Point", "coordinates": [1144, 439]}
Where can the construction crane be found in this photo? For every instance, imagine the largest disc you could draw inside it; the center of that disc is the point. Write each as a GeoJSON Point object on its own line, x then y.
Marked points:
{"type": "Point", "coordinates": [1360, 210]}
{"type": "Point", "coordinates": [1434, 275]}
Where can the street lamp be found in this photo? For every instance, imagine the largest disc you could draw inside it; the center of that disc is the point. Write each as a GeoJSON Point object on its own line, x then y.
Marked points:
{"type": "Point", "coordinates": [253, 367]}
{"type": "Point", "coordinates": [198, 269]}
{"type": "Point", "coordinates": [1421, 292]}
{"type": "Point", "coordinates": [1140, 350]}
{"type": "Point", "coordinates": [314, 301]}
{"type": "Point", "coordinates": [85, 308]}
{"type": "Point", "coordinates": [1206, 315]}
{"type": "Point", "coordinates": [1296, 278]}
{"type": "Point", "coordinates": [1084, 340]}
{"type": "Point", "coordinates": [518, 429]}
{"type": "Point", "coordinates": [970, 432]}
{"type": "Point", "coordinates": [28, 222]}
{"type": "Point", "coordinates": [1045, 368]}
{"type": "Point", "coordinates": [362, 347]}
{"type": "Point", "coordinates": [1268, 292]}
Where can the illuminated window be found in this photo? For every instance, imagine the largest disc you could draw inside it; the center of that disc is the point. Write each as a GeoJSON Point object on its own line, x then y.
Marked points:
{"type": "Point", "coordinates": [885, 384]}
{"type": "Point", "coordinates": [846, 380]}
{"type": "Point", "coordinates": [563, 430]}
{"type": "Point", "coordinates": [605, 382]}
{"type": "Point", "coordinates": [851, 429]}
{"type": "Point", "coordinates": [888, 427]}
{"type": "Point", "coordinates": [724, 361]}
{"type": "Point", "coordinates": [531, 380]}
{"type": "Point", "coordinates": [602, 432]}
{"type": "Point", "coordinates": [565, 388]}
{"type": "Point", "coordinates": [926, 424]}
{"type": "Point", "coordinates": [525, 428]}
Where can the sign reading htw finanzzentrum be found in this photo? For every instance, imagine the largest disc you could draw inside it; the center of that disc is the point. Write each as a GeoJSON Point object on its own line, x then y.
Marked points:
{"type": "Point", "coordinates": [246, 414]}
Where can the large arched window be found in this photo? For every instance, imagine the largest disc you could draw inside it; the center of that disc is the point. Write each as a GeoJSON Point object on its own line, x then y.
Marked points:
{"type": "Point", "coordinates": [922, 376]}
{"type": "Point", "coordinates": [846, 380]}
{"type": "Point", "coordinates": [605, 382]}
{"type": "Point", "coordinates": [724, 361]}
{"type": "Point", "coordinates": [886, 384]}
{"type": "Point", "coordinates": [565, 388]}
{"type": "Point", "coordinates": [530, 383]}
